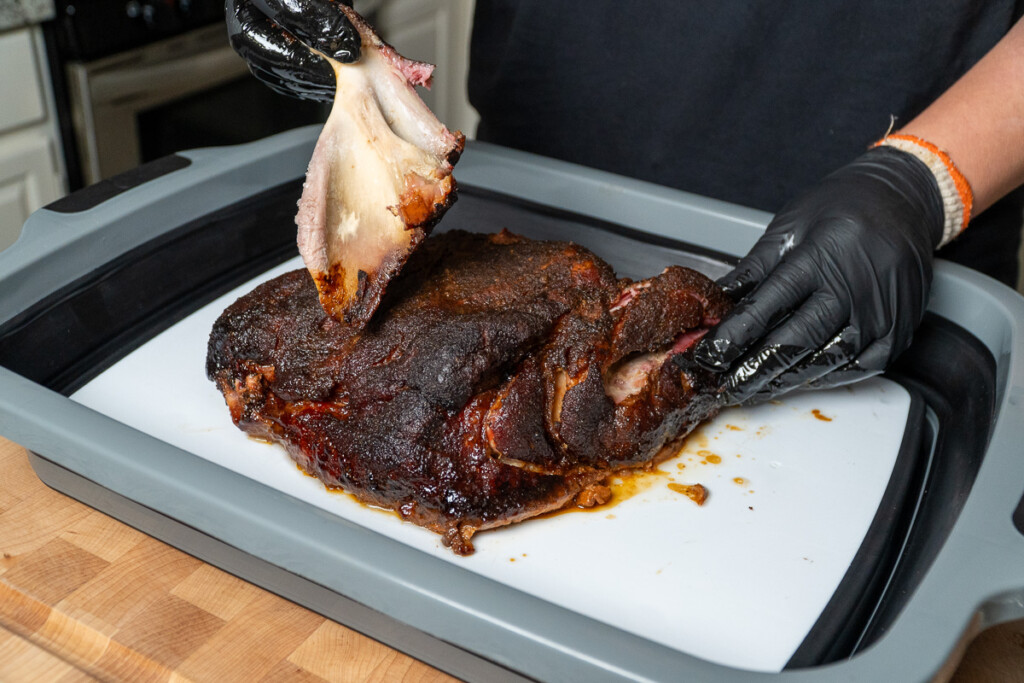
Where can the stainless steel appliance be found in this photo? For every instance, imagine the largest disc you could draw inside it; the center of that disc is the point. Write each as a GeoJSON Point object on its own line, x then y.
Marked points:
{"type": "Point", "coordinates": [137, 80]}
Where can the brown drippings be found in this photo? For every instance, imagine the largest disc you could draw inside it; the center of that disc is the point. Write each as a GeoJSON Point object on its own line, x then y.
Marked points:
{"type": "Point", "coordinates": [740, 480]}
{"type": "Point", "coordinates": [627, 484]}
{"type": "Point", "coordinates": [622, 486]}
{"type": "Point", "coordinates": [695, 492]}
{"type": "Point", "coordinates": [593, 495]}
{"type": "Point", "coordinates": [340, 491]}
{"type": "Point", "coordinates": [713, 459]}
{"type": "Point", "coordinates": [818, 414]}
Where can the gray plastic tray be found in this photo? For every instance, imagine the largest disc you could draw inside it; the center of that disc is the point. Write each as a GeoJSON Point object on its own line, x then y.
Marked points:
{"type": "Point", "coordinates": [463, 623]}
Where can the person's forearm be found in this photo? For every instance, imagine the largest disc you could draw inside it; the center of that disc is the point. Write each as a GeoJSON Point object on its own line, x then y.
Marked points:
{"type": "Point", "coordinates": [979, 121]}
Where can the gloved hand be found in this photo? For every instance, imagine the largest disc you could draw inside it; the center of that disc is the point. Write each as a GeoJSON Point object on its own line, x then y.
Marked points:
{"type": "Point", "coordinates": [837, 285]}
{"type": "Point", "coordinates": [274, 37]}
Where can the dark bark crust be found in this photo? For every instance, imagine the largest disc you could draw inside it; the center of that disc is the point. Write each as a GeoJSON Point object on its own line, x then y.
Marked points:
{"type": "Point", "coordinates": [476, 396]}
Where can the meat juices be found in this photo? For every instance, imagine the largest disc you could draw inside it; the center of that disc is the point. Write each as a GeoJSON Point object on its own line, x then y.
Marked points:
{"type": "Point", "coordinates": [500, 379]}
{"type": "Point", "coordinates": [378, 181]}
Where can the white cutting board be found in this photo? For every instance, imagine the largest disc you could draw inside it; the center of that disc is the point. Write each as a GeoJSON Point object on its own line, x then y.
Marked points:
{"type": "Point", "coordinates": [738, 581]}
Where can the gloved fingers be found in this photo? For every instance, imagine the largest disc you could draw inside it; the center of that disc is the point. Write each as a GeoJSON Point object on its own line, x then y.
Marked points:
{"type": "Point", "coordinates": [762, 258]}
{"type": "Point", "coordinates": [320, 24]}
{"type": "Point", "coordinates": [839, 351]}
{"type": "Point", "coordinates": [755, 315]}
{"type": "Point", "coordinates": [296, 85]}
{"type": "Point", "coordinates": [870, 362]}
{"type": "Point", "coordinates": [776, 362]}
{"type": "Point", "coordinates": [275, 56]}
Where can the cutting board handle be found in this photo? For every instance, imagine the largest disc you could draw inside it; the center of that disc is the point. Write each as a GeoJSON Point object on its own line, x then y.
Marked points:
{"type": "Point", "coordinates": [97, 193]}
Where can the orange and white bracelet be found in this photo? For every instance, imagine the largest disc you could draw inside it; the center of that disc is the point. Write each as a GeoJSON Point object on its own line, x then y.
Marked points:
{"type": "Point", "coordinates": [957, 196]}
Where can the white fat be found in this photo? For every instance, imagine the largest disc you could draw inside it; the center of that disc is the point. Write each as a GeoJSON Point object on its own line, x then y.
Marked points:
{"type": "Point", "coordinates": [632, 375]}
{"type": "Point", "coordinates": [346, 227]}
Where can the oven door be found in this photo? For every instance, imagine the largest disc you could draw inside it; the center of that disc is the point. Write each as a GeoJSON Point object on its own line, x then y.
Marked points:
{"type": "Point", "coordinates": [183, 92]}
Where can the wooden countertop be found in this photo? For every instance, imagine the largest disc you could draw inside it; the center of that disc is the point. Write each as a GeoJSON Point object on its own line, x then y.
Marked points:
{"type": "Point", "coordinates": [84, 597]}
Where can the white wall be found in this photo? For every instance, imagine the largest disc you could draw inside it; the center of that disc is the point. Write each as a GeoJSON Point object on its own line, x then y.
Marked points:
{"type": "Point", "coordinates": [30, 170]}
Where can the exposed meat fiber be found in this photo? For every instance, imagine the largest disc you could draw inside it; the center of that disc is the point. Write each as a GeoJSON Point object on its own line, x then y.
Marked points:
{"type": "Point", "coordinates": [378, 181]}
{"type": "Point", "coordinates": [501, 378]}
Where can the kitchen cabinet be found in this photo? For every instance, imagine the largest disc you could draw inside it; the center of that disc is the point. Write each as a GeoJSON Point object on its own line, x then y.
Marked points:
{"type": "Point", "coordinates": [435, 31]}
{"type": "Point", "coordinates": [30, 173]}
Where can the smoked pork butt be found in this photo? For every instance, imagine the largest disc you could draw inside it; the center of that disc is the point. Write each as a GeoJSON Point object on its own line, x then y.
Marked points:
{"type": "Point", "coordinates": [500, 378]}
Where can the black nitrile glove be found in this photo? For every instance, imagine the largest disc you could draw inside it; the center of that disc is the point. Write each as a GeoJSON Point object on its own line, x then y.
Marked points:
{"type": "Point", "coordinates": [837, 285]}
{"type": "Point", "coordinates": [275, 36]}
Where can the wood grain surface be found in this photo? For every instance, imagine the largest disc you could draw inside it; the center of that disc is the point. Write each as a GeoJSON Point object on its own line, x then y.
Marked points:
{"type": "Point", "coordinates": [84, 597]}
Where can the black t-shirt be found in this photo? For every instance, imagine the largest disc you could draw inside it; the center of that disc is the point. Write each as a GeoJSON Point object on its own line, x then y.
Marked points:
{"type": "Point", "coordinates": [742, 100]}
